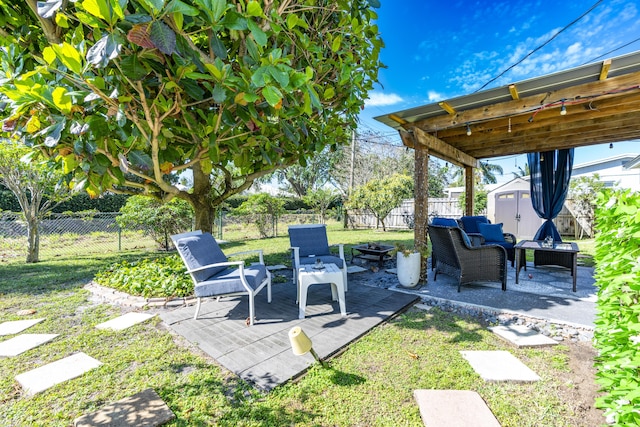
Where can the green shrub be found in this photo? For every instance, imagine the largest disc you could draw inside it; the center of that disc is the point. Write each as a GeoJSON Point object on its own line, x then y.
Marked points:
{"type": "Point", "coordinates": [617, 333]}
{"type": "Point", "coordinates": [157, 219]}
{"type": "Point", "coordinates": [160, 277]}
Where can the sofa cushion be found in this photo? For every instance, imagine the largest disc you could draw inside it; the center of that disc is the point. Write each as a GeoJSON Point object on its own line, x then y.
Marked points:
{"type": "Point", "coordinates": [470, 223]}
{"type": "Point", "coordinates": [447, 222]}
{"type": "Point", "coordinates": [491, 232]}
{"type": "Point", "coordinates": [466, 238]}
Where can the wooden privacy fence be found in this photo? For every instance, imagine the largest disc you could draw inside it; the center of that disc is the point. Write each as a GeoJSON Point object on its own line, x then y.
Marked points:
{"type": "Point", "coordinates": [402, 216]}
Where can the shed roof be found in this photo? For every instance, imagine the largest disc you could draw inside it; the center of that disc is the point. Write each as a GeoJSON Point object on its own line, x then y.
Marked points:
{"type": "Point", "coordinates": [601, 102]}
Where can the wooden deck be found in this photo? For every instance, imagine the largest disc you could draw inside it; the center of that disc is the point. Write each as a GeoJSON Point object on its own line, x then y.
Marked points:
{"type": "Point", "coordinates": [261, 354]}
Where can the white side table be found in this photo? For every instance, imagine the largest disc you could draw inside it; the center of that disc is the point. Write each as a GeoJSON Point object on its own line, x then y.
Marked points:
{"type": "Point", "coordinates": [307, 276]}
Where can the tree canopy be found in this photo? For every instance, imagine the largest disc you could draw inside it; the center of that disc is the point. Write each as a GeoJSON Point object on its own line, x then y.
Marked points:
{"type": "Point", "coordinates": [125, 94]}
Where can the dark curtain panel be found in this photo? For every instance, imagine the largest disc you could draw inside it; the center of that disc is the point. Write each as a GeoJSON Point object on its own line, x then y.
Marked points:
{"type": "Point", "coordinates": [550, 175]}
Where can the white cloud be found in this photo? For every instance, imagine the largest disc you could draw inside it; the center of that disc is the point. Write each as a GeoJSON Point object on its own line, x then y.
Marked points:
{"type": "Point", "coordinates": [382, 99]}
{"type": "Point", "coordinates": [435, 96]}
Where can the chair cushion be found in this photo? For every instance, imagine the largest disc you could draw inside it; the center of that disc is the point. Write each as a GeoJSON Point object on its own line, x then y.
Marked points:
{"type": "Point", "coordinates": [447, 222]}
{"type": "Point", "coordinates": [198, 251]}
{"type": "Point", "coordinates": [470, 223]}
{"type": "Point", "coordinates": [311, 239]}
{"type": "Point", "coordinates": [326, 259]}
{"type": "Point", "coordinates": [491, 232]}
{"type": "Point", "coordinates": [228, 281]}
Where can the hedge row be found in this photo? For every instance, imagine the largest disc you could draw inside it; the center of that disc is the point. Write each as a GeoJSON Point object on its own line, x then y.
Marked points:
{"type": "Point", "coordinates": [78, 203]}
{"type": "Point", "coordinates": [617, 333]}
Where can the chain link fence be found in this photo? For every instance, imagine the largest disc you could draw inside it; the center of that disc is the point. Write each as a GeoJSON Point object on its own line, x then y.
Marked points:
{"type": "Point", "coordinates": [70, 235]}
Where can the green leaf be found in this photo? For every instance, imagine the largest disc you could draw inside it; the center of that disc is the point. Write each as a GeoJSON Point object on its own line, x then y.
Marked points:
{"type": "Point", "coordinates": [272, 95]}
{"type": "Point", "coordinates": [259, 36]}
{"type": "Point", "coordinates": [109, 11]}
{"type": "Point", "coordinates": [53, 134]}
{"type": "Point", "coordinates": [69, 163]}
{"type": "Point", "coordinates": [140, 159]}
{"type": "Point", "coordinates": [329, 93]}
{"type": "Point", "coordinates": [106, 49]}
{"type": "Point", "coordinates": [254, 8]}
{"type": "Point", "coordinates": [234, 21]}
{"type": "Point", "coordinates": [292, 21]}
{"type": "Point", "coordinates": [153, 6]}
{"type": "Point", "coordinates": [163, 37]}
{"type": "Point", "coordinates": [335, 46]}
{"type": "Point", "coordinates": [282, 77]}
{"type": "Point", "coordinates": [69, 56]}
{"type": "Point", "coordinates": [62, 100]}
{"type": "Point", "coordinates": [178, 6]}
{"type": "Point", "coordinates": [374, 3]}
{"type": "Point", "coordinates": [219, 94]}
{"type": "Point", "coordinates": [133, 68]}
{"type": "Point", "coordinates": [218, 47]}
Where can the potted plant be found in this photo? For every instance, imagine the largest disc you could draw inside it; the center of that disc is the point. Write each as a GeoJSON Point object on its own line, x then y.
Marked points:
{"type": "Point", "coordinates": [409, 264]}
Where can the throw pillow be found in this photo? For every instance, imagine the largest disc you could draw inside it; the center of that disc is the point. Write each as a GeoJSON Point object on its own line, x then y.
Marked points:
{"type": "Point", "coordinates": [491, 232]}
{"type": "Point", "coordinates": [466, 238]}
{"type": "Point", "coordinates": [447, 222]}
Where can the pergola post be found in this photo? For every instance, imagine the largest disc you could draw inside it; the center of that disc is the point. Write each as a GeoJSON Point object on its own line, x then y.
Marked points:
{"type": "Point", "coordinates": [469, 190]}
{"type": "Point", "coordinates": [421, 207]}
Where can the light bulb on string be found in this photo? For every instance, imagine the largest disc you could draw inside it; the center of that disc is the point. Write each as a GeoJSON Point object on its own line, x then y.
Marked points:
{"type": "Point", "coordinates": [509, 129]}
{"type": "Point", "coordinates": [468, 130]}
{"type": "Point", "coordinates": [563, 109]}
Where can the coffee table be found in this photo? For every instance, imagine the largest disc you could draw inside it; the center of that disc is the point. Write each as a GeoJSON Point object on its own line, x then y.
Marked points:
{"type": "Point", "coordinates": [561, 254]}
{"type": "Point", "coordinates": [308, 275]}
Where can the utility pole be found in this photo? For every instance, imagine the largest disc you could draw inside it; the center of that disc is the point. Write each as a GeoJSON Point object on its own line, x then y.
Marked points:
{"type": "Point", "coordinates": [345, 223]}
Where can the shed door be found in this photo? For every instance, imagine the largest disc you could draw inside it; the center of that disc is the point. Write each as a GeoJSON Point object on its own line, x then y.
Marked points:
{"type": "Point", "coordinates": [515, 212]}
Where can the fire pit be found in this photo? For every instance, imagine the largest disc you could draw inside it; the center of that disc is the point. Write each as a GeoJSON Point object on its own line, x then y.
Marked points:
{"type": "Point", "coordinates": [373, 252]}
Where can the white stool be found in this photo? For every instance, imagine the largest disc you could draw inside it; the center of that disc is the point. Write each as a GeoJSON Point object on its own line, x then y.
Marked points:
{"type": "Point", "coordinates": [307, 276]}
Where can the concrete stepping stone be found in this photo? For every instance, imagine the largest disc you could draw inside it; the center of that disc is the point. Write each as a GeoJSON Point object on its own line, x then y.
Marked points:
{"type": "Point", "coordinates": [125, 321]}
{"type": "Point", "coordinates": [454, 408]}
{"type": "Point", "coordinates": [17, 326]}
{"type": "Point", "coordinates": [355, 269]}
{"type": "Point", "coordinates": [144, 409]}
{"type": "Point", "coordinates": [21, 343]}
{"type": "Point", "coordinates": [499, 366]}
{"type": "Point", "coordinates": [47, 376]}
{"type": "Point", "coordinates": [277, 267]}
{"type": "Point", "coordinates": [521, 336]}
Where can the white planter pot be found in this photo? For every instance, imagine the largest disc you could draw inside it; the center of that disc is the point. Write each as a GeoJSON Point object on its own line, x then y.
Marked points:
{"type": "Point", "coordinates": [408, 267]}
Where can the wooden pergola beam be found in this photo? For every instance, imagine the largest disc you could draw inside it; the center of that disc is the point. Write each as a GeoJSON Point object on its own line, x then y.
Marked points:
{"type": "Point", "coordinates": [441, 149]}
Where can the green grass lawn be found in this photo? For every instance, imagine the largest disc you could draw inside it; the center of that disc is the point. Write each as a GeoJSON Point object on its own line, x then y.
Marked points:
{"type": "Point", "coordinates": [370, 384]}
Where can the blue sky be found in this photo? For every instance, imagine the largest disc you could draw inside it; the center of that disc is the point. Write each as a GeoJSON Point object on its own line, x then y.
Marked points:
{"type": "Point", "coordinates": [437, 50]}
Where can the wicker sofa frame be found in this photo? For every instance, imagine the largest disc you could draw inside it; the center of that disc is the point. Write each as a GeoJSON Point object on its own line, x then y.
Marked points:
{"type": "Point", "coordinates": [467, 264]}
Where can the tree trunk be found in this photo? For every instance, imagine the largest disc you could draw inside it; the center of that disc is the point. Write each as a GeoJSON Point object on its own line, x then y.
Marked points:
{"type": "Point", "coordinates": [33, 241]}
{"type": "Point", "coordinates": [421, 207]}
{"type": "Point", "coordinates": [200, 199]}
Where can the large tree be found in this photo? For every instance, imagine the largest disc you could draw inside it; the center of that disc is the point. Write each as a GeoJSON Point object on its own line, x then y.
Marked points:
{"type": "Point", "coordinates": [128, 93]}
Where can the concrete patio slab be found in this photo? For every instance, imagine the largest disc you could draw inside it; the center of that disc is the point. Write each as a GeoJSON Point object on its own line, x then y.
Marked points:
{"type": "Point", "coordinates": [277, 267]}
{"type": "Point", "coordinates": [355, 269]}
{"type": "Point", "coordinates": [499, 366]}
{"type": "Point", "coordinates": [125, 321]}
{"type": "Point", "coordinates": [454, 408]}
{"type": "Point", "coordinates": [17, 326]}
{"type": "Point", "coordinates": [21, 343]}
{"type": "Point", "coordinates": [144, 409]}
{"type": "Point", "coordinates": [47, 376]}
{"type": "Point", "coordinates": [521, 336]}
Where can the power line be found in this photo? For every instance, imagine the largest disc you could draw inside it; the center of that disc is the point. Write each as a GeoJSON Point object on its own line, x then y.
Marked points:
{"type": "Point", "coordinates": [539, 47]}
{"type": "Point", "coordinates": [611, 51]}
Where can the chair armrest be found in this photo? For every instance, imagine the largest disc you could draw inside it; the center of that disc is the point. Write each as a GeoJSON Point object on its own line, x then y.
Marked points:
{"type": "Point", "coordinates": [296, 256]}
{"type": "Point", "coordinates": [477, 239]}
{"type": "Point", "coordinates": [218, 264]}
{"type": "Point", "coordinates": [250, 252]}
{"type": "Point", "coordinates": [340, 249]}
{"type": "Point", "coordinates": [508, 237]}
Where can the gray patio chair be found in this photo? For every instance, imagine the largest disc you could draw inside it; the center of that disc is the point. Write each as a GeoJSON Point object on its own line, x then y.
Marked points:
{"type": "Point", "coordinates": [309, 242]}
{"type": "Point", "coordinates": [455, 257]}
{"type": "Point", "coordinates": [215, 276]}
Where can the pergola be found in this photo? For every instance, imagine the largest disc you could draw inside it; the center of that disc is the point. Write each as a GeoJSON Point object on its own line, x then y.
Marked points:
{"type": "Point", "coordinates": [593, 104]}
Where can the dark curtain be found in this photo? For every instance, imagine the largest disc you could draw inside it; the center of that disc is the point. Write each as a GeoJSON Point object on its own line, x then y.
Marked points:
{"type": "Point", "coordinates": [550, 175]}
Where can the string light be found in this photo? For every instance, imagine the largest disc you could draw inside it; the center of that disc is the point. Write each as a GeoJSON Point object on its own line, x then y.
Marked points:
{"type": "Point", "coordinates": [611, 145]}
{"type": "Point", "coordinates": [563, 109]}
{"type": "Point", "coordinates": [509, 130]}
{"type": "Point", "coordinates": [468, 130]}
